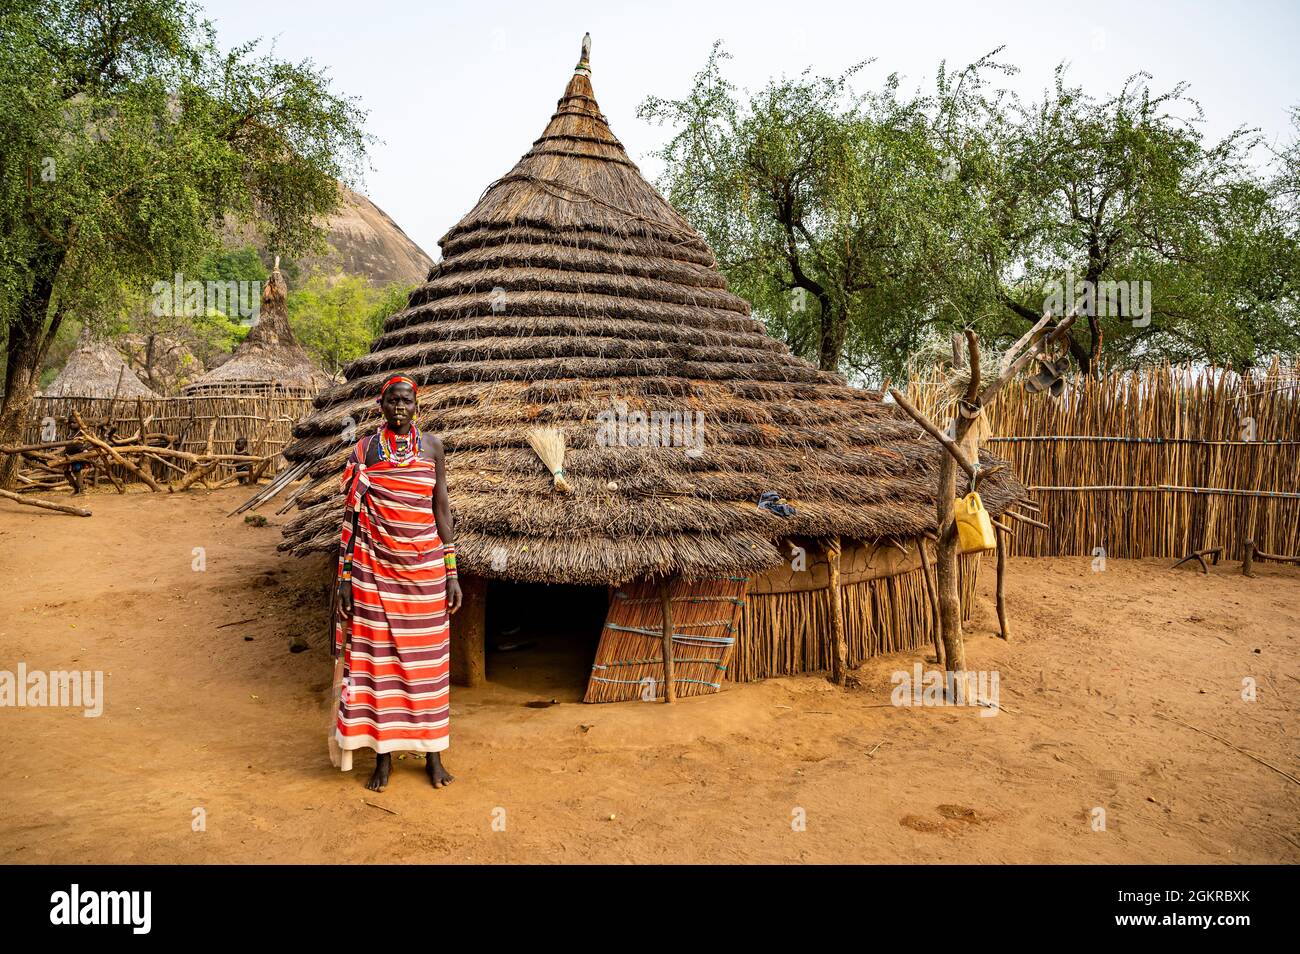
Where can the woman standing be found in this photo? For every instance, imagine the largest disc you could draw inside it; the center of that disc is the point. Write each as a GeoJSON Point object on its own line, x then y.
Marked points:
{"type": "Point", "coordinates": [396, 586]}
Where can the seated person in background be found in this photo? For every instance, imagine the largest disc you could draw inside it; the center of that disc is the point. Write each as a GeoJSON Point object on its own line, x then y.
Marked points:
{"type": "Point", "coordinates": [244, 468]}
{"type": "Point", "coordinates": [72, 471]}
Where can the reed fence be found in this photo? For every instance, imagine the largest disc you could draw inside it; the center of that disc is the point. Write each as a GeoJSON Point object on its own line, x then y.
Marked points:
{"type": "Point", "coordinates": [1152, 463]}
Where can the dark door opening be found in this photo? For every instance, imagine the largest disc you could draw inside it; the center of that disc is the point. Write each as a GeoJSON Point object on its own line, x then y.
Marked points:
{"type": "Point", "coordinates": [541, 639]}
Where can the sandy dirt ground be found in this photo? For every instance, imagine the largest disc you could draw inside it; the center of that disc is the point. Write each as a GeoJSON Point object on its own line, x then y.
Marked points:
{"type": "Point", "coordinates": [1105, 678]}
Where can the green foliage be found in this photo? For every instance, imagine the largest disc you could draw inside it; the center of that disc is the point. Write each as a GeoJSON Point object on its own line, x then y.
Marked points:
{"type": "Point", "coordinates": [864, 224]}
{"type": "Point", "coordinates": [337, 318]}
{"type": "Point", "coordinates": [126, 139]}
{"type": "Point", "coordinates": [233, 265]}
{"type": "Point", "coordinates": [832, 211]}
{"type": "Point", "coordinates": [1126, 188]}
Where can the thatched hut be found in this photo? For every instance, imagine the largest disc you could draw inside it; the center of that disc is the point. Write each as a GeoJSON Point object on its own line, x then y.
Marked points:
{"type": "Point", "coordinates": [95, 369]}
{"type": "Point", "coordinates": [269, 361]}
{"type": "Point", "coordinates": [574, 296]}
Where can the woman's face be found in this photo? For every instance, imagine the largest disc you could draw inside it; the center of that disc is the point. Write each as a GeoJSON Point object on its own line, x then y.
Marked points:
{"type": "Point", "coordinates": [398, 406]}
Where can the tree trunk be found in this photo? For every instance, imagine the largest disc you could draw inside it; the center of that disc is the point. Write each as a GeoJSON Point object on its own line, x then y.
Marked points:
{"type": "Point", "coordinates": [831, 332]}
{"type": "Point", "coordinates": [947, 546]}
{"type": "Point", "coordinates": [25, 349]}
{"type": "Point", "coordinates": [148, 362]}
{"type": "Point", "coordinates": [1081, 355]}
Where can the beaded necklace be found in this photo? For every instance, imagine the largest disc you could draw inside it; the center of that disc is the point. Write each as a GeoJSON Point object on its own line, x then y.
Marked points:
{"type": "Point", "coordinates": [399, 450]}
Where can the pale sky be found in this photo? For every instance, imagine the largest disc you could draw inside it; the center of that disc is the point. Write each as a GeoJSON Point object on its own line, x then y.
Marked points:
{"type": "Point", "coordinates": [457, 91]}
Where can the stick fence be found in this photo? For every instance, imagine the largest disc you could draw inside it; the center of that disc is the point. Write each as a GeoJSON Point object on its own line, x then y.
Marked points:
{"type": "Point", "coordinates": [266, 421]}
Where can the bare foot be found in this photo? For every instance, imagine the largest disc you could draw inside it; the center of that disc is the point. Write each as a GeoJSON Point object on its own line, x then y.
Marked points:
{"type": "Point", "coordinates": [383, 766]}
{"type": "Point", "coordinates": [439, 777]}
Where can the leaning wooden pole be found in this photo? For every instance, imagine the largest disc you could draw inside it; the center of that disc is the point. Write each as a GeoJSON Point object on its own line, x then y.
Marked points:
{"type": "Point", "coordinates": [43, 504]}
{"type": "Point", "coordinates": [666, 601]}
{"type": "Point", "coordinates": [114, 454]}
{"type": "Point", "coordinates": [840, 646]}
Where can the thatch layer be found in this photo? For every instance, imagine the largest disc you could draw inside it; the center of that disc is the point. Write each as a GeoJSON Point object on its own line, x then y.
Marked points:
{"type": "Point", "coordinates": [574, 296]}
{"type": "Point", "coordinates": [269, 360]}
{"type": "Point", "coordinates": [95, 369]}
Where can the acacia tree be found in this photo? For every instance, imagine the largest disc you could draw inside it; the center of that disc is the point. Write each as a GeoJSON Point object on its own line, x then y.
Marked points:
{"type": "Point", "coordinates": [1286, 184]}
{"type": "Point", "coordinates": [899, 218]}
{"type": "Point", "coordinates": [126, 137]}
{"type": "Point", "coordinates": [1087, 192]}
{"type": "Point", "coordinates": [836, 213]}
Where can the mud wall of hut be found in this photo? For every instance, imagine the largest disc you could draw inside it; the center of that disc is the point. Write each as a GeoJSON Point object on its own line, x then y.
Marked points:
{"type": "Point", "coordinates": [785, 626]}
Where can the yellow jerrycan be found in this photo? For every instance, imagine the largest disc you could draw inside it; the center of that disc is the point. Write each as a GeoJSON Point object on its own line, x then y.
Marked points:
{"type": "Point", "coordinates": [974, 528]}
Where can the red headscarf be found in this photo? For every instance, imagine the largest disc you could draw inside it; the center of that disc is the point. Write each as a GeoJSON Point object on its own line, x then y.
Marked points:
{"type": "Point", "coordinates": [398, 379]}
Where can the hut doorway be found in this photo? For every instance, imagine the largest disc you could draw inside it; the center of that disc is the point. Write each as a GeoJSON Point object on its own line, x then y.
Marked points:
{"type": "Point", "coordinates": [540, 639]}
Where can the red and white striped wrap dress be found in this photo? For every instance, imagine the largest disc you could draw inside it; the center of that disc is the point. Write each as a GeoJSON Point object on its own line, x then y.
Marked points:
{"type": "Point", "coordinates": [395, 695]}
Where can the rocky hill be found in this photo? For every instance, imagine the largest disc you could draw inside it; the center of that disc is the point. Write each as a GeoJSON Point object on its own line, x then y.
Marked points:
{"type": "Point", "coordinates": [363, 240]}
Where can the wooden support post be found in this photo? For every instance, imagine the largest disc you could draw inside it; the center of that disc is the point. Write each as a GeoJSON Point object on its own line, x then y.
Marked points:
{"type": "Point", "coordinates": [947, 577]}
{"type": "Point", "coordinates": [932, 596]}
{"type": "Point", "coordinates": [839, 645]}
{"type": "Point", "coordinates": [666, 601]}
{"type": "Point", "coordinates": [1248, 560]}
{"type": "Point", "coordinates": [1003, 625]}
{"type": "Point", "coordinates": [469, 633]}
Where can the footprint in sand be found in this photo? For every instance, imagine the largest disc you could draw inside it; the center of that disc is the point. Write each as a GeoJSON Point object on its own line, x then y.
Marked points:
{"type": "Point", "coordinates": [956, 817]}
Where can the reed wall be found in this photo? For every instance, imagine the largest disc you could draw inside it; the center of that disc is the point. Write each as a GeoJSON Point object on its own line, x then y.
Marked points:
{"type": "Point", "coordinates": [788, 631]}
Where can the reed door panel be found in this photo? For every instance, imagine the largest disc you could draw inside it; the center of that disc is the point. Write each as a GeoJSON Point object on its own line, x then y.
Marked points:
{"type": "Point", "coordinates": [629, 664]}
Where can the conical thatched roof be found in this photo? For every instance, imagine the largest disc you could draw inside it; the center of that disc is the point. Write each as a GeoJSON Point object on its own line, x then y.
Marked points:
{"type": "Point", "coordinates": [570, 287]}
{"type": "Point", "coordinates": [95, 369]}
{"type": "Point", "coordinates": [269, 358]}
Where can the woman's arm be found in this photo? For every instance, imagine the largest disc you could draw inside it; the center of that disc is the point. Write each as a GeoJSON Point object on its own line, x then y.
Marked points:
{"type": "Point", "coordinates": [343, 608]}
{"type": "Point", "coordinates": [442, 513]}
{"type": "Point", "coordinates": [343, 605]}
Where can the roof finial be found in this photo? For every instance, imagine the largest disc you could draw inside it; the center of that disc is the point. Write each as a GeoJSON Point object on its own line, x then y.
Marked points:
{"type": "Point", "coordinates": [276, 266]}
{"type": "Point", "coordinates": [584, 64]}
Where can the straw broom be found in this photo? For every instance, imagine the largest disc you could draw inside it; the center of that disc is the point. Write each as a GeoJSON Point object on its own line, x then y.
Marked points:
{"type": "Point", "coordinates": [548, 443]}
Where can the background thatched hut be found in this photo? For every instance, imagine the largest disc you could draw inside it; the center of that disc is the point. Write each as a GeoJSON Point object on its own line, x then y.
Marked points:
{"type": "Point", "coordinates": [269, 360]}
{"type": "Point", "coordinates": [95, 369]}
{"type": "Point", "coordinates": [574, 296]}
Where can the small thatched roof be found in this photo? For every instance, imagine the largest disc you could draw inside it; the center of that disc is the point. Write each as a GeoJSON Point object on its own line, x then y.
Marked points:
{"type": "Point", "coordinates": [96, 369]}
{"type": "Point", "coordinates": [269, 359]}
{"type": "Point", "coordinates": [573, 286]}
